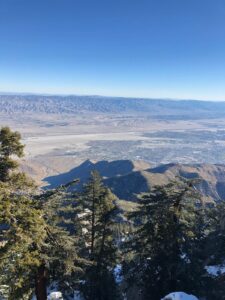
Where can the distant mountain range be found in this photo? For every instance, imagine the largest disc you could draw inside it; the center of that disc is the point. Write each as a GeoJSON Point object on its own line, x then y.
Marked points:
{"type": "Point", "coordinates": [127, 178]}
{"type": "Point", "coordinates": [158, 108]}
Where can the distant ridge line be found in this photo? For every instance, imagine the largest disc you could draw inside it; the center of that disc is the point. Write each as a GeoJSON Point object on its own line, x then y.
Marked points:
{"type": "Point", "coordinates": [155, 108]}
{"type": "Point", "coordinates": [2, 93]}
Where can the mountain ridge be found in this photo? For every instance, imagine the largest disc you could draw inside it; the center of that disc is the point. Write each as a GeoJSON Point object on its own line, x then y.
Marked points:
{"type": "Point", "coordinates": [128, 178]}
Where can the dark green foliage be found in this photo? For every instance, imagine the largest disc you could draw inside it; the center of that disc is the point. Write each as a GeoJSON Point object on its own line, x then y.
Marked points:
{"type": "Point", "coordinates": [62, 255]}
{"type": "Point", "coordinates": [166, 242]}
{"type": "Point", "coordinates": [9, 145]}
{"type": "Point", "coordinates": [34, 248]}
{"type": "Point", "coordinates": [214, 250]}
{"type": "Point", "coordinates": [99, 212]}
{"type": "Point", "coordinates": [20, 253]}
{"type": "Point", "coordinates": [216, 237]}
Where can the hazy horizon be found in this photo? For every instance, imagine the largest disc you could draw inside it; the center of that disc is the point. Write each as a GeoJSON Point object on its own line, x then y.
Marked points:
{"type": "Point", "coordinates": [2, 93]}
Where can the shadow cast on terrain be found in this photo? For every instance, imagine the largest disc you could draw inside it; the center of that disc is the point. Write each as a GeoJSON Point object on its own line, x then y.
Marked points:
{"type": "Point", "coordinates": [127, 182]}
{"type": "Point", "coordinates": [105, 168]}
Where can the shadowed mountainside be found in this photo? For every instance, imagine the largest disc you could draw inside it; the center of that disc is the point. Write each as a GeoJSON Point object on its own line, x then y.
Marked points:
{"type": "Point", "coordinates": [127, 178]}
{"type": "Point", "coordinates": [106, 169]}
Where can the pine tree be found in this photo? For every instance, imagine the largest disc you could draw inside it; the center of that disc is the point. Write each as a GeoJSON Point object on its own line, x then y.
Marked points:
{"type": "Point", "coordinates": [98, 217]}
{"type": "Point", "coordinates": [21, 242]}
{"type": "Point", "coordinates": [9, 145]}
{"type": "Point", "coordinates": [62, 260]}
{"type": "Point", "coordinates": [214, 250]}
{"type": "Point", "coordinates": [34, 248]}
{"type": "Point", "coordinates": [164, 241]}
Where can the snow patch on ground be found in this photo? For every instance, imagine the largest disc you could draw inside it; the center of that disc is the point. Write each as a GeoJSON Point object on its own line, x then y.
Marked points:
{"type": "Point", "coordinates": [55, 294]}
{"type": "Point", "coordinates": [179, 296]}
{"type": "Point", "coordinates": [215, 270]}
{"type": "Point", "coordinates": [118, 274]}
{"type": "Point", "coordinates": [58, 296]}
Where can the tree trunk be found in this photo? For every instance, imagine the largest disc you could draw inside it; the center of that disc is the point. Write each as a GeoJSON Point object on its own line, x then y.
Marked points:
{"type": "Point", "coordinates": [41, 283]}
{"type": "Point", "coordinates": [93, 222]}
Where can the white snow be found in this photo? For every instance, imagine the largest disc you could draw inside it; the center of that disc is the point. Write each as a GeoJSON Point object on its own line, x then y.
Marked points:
{"type": "Point", "coordinates": [55, 296]}
{"type": "Point", "coordinates": [215, 270]}
{"type": "Point", "coordinates": [117, 274]}
{"type": "Point", "coordinates": [179, 296]}
{"type": "Point", "coordinates": [54, 293]}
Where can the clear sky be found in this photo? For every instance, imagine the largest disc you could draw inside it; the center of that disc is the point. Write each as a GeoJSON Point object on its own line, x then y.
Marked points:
{"type": "Point", "coordinates": [137, 48]}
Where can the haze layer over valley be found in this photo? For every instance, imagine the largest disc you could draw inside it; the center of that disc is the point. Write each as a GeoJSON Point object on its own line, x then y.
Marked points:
{"type": "Point", "coordinates": [62, 132]}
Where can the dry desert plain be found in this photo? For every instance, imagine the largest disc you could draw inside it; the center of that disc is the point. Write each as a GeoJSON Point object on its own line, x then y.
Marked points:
{"type": "Point", "coordinates": [58, 143]}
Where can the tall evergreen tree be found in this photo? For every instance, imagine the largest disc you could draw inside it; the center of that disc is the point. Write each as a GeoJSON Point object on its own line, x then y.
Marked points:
{"type": "Point", "coordinates": [22, 239]}
{"type": "Point", "coordinates": [62, 261]}
{"type": "Point", "coordinates": [98, 217]}
{"type": "Point", "coordinates": [214, 251]}
{"type": "Point", "coordinates": [164, 241]}
{"type": "Point", "coordinates": [9, 145]}
{"type": "Point", "coordinates": [34, 247]}
{"type": "Point", "coordinates": [23, 228]}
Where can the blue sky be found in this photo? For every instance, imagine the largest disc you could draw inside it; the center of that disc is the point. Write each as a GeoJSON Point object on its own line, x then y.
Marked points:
{"type": "Point", "coordinates": [137, 48]}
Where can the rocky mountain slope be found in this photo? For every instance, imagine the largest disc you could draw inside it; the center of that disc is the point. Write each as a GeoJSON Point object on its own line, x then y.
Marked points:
{"type": "Point", "coordinates": [127, 178]}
